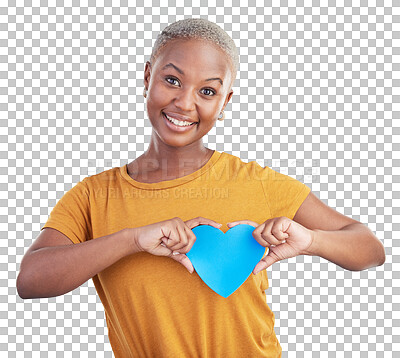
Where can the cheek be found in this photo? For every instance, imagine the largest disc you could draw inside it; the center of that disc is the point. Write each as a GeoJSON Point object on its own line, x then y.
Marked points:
{"type": "Point", "coordinates": [209, 110]}
{"type": "Point", "coordinates": [154, 104]}
{"type": "Point", "coordinates": [156, 96]}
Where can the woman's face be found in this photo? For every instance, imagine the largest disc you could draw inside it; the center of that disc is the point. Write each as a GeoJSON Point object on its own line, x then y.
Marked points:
{"type": "Point", "coordinates": [189, 81]}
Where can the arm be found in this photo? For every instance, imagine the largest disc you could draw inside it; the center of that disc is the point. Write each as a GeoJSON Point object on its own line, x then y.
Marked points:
{"type": "Point", "coordinates": [337, 238]}
{"type": "Point", "coordinates": [317, 229]}
{"type": "Point", "coordinates": [49, 267]}
{"type": "Point", "coordinates": [54, 266]}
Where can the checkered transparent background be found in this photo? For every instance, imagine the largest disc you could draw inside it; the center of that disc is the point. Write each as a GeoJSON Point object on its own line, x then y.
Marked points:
{"type": "Point", "coordinates": [317, 97]}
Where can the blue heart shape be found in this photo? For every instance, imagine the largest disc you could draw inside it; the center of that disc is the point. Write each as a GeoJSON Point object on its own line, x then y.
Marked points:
{"type": "Point", "coordinates": [225, 261]}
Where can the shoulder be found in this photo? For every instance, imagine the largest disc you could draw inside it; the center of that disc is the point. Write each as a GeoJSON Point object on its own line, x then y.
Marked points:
{"type": "Point", "coordinates": [92, 184]}
{"type": "Point", "coordinates": [103, 178]}
{"type": "Point", "coordinates": [237, 166]}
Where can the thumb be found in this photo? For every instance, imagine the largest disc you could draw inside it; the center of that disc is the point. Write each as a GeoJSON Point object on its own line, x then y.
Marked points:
{"type": "Point", "coordinates": [175, 255]}
{"type": "Point", "coordinates": [184, 260]}
{"type": "Point", "coordinates": [163, 250]}
{"type": "Point", "coordinates": [239, 222]}
{"type": "Point", "coordinates": [266, 261]}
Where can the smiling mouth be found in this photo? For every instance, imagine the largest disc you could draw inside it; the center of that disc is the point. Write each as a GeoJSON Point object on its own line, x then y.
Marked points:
{"type": "Point", "coordinates": [179, 123]}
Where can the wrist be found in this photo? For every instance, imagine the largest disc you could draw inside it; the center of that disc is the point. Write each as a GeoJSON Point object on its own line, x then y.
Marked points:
{"type": "Point", "coordinates": [130, 235]}
{"type": "Point", "coordinates": [313, 248]}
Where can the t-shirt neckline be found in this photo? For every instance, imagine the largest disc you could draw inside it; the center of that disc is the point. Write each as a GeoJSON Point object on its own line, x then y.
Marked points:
{"type": "Point", "coordinates": [173, 182]}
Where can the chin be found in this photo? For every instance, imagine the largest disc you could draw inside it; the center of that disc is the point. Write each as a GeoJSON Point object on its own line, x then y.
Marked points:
{"type": "Point", "coordinates": [175, 139]}
{"type": "Point", "coordinates": [175, 142]}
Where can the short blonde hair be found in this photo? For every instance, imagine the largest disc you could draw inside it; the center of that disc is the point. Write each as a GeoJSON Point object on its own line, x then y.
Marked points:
{"type": "Point", "coordinates": [197, 29]}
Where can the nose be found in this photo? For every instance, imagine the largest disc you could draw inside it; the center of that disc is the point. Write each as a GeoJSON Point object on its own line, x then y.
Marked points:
{"type": "Point", "coordinates": [185, 100]}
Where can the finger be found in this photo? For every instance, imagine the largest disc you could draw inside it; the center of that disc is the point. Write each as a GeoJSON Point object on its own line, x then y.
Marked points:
{"type": "Point", "coordinates": [265, 262]}
{"type": "Point", "coordinates": [183, 240]}
{"type": "Point", "coordinates": [263, 234]}
{"type": "Point", "coordinates": [275, 232]}
{"type": "Point", "coordinates": [181, 258]}
{"type": "Point", "coordinates": [191, 240]}
{"type": "Point", "coordinates": [278, 233]}
{"type": "Point", "coordinates": [192, 223]}
{"type": "Point", "coordinates": [262, 265]}
{"type": "Point", "coordinates": [280, 228]}
{"type": "Point", "coordinates": [171, 235]}
{"type": "Point", "coordinates": [163, 250]}
{"type": "Point", "coordinates": [269, 238]}
{"type": "Point", "coordinates": [248, 222]}
{"type": "Point", "coordinates": [257, 235]}
{"type": "Point", "coordinates": [184, 260]}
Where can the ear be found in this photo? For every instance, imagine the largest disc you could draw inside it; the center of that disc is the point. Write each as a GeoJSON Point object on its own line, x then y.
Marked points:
{"type": "Point", "coordinates": [227, 99]}
{"type": "Point", "coordinates": [147, 73]}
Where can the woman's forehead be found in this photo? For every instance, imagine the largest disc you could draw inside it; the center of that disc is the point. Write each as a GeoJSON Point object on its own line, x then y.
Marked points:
{"type": "Point", "coordinates": [192, 49]}
{"type": "Point", "coordinates": [193, 54]}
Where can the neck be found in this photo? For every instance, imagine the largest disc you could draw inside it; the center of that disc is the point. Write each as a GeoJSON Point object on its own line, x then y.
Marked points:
{"type": "Point", "coordinates": [169, 162]}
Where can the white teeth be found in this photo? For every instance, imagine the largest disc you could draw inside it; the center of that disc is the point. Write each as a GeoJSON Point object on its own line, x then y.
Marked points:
{"type": "Point", "coordinates": [178, 123]}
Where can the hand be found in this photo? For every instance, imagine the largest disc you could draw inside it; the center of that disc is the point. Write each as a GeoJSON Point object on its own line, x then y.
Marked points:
{"type": "Point", "coordinates": [173, 238]}
{"type": "Point", "coordinates": [285, 238]}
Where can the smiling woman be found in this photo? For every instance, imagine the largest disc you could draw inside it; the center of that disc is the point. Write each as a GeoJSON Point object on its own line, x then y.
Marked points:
{"type": "Point", "coordinates": [130, 228]}
{"type": "Point", "coordinates": [187, 84]}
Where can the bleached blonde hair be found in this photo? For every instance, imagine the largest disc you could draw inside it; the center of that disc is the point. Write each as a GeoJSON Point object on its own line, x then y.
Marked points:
{"type": "Point", "coordinates": [197, 29]}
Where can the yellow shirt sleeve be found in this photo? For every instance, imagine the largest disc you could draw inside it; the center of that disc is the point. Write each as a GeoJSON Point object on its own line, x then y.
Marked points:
{"type": "Point", "coordinates": [71, 214]}
{"type": "Point", "coordinates": [284, 194]}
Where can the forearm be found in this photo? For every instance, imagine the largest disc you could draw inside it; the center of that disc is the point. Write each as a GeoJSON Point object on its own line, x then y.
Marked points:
{"type": "Point", "coordinates": [354, 247]}
{"type": "Point", "coordinates": [56, 270]}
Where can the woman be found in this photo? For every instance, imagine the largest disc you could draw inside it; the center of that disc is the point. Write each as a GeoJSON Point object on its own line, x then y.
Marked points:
{"type": "Point", "coordinates": [129, 228]}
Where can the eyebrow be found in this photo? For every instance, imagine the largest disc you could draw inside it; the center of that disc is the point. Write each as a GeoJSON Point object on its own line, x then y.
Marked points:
{"type": "Point", "coordinates": [182, 73]}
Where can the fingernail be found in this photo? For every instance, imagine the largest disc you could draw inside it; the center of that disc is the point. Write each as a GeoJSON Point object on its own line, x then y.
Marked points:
{"type": "Point", "coordinates": [175, 253]}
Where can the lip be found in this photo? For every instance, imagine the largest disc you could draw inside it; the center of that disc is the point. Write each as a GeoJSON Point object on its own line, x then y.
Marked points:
{"type": "Point", "coordinates": [179, 117]}
{"type": "Point", "coordinates": [176, 128]}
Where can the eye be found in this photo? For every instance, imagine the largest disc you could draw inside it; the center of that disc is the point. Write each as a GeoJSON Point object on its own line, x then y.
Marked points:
{"type": "Point", "coordinates": [209, 91]}
{"type": "Point", "coordinates": [171, 80]}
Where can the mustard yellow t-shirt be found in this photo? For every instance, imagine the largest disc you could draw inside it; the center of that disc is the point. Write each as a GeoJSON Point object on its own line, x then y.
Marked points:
{"type": "Point", "coordinates": [154, 307]}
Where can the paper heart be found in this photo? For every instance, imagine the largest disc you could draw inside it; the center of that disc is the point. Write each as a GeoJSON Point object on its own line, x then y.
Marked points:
{"type": "Point", "coordinates": [225, 261]}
